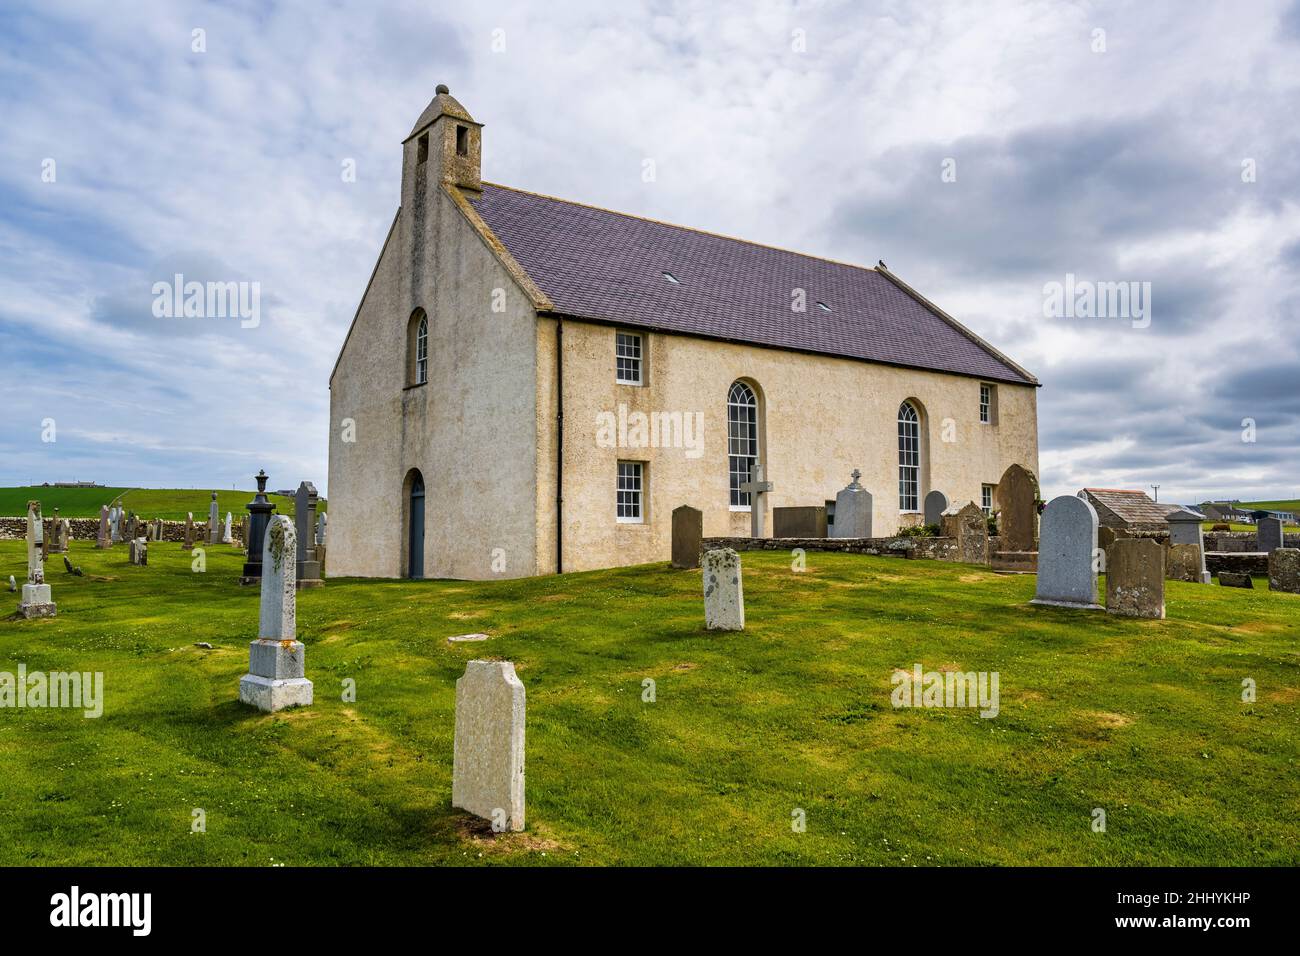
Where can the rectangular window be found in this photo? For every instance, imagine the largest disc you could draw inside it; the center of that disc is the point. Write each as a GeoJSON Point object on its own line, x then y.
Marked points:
{"type": "Point", "coordinates": [462, 141]}
{"type": "Point", "coordinates": [627, 352]}
{"type": "Point", "coordinates": [986, 500]}
{"type": "Point", "coordinates": [422, 149]}
{"type": "Point", "coordinates": [630, 492]}
{"type": "Point", "coordinates": [988, 404]}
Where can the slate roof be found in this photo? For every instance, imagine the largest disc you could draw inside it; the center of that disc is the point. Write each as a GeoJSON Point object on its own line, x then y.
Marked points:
{"type": "Point", "coordinates": [1129, 507]}
{"type": "Point", "coordinates": [606, 266]}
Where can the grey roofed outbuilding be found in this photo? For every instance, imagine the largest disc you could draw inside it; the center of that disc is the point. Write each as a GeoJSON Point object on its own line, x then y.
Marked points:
{"type": "Point", "coordinates": [605, 266]}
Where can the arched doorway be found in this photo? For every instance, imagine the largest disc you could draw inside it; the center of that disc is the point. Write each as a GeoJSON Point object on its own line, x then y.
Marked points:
{"type": "Point", "coordinates": [415, 525]}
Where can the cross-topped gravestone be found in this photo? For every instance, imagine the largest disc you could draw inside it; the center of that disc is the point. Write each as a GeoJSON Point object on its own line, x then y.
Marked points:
{"type": "Point", "coordinates": [756, 487]}
{"type": "Point", "coordinates": [37, 600]}
{"type": "Point", "coordinates": [277, 660]}
{"type": "Point", "coordinates": [852, 511]}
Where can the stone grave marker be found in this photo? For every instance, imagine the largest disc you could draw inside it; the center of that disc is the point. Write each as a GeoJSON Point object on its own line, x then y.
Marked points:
{"type": "Point", "coordinates": [936, 503]}
{"type": "Point", "coordinates": [852, 510]}
{"type": "Point", "coordinates": [104, 540]}
{"type": "Point", "coordinates": [138, 551]}
{"type": "Point", "coordinates": [37, 599]}
{"type": "Point", "coordinates": [1184, 562]}
{"type": "Point", "coordinates": [214, 521]}
{"type": "Point", "coordinates": [305, 525]}
{"type": "Point", "coordinates": [1135, 578]}
{"type": "Point", "coordinates": [688, 535]}
{"type": "Point", "coordinates": [808, 521]}
{"type": "Point", "coordinates": [724, 595]}
{"type": "Point", "coordinates": [1284, 570]}
{"type": "Point", "coordinates": [1017, 512]}
{"type": "Point", "coordinates": [115, 525]}
{"type": "Point", "coordinates": [970, 527]}
{"type": "Point", "coordinates": [757, 489]}
{"type": "Point", "coordinates": [276, 675]}
{"type": "Point", "coordinates": [1067, 544]}
{"type": "Point", "coordinates": [1268, 534]}
{"type": "Point", "coordinates": [189, 532]}
{"type": "Point", "coordinates": [226, 536]}
{"type": "Point", "coordinates": [1185, 528]}
{"type": "Point", "coordinates": [1236, 579]}
{"type": "Point", "coordinates": [487, 777]}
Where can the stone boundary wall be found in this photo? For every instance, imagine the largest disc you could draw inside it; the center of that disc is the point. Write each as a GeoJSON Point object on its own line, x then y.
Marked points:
{"type": "Point", "coordinates": [87, 529]}
{"type": "Point", "coordinates": [938, 549]}
{"type": "Point", "coordinates": [1242, 540]}
{"type": "Point", "coordinates": [1248, 562]}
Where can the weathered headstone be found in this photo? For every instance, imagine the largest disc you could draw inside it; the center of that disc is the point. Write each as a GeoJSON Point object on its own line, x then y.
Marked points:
{"type": "Point", "coordinates": [757, 489]}
{"type": "Point", "coordinates": [37, 600]}
{"type": "Point", "coordinates": [226, 536]}
{"type": "Point", "coordinates": [138, 551]}
{"type": "Point", "coordinates": [1236, 579]}
{"type": "Point", "coordinates": [58, 534]}
{"type": "Point", "coordinates": [1268, 534]}
{"type": "Point", "coordinates": [1185, 529]}
{"type": "Point", "coordinates": [688, 535]}
{"type": "Point", "coordinates": [805, 521]}
{"type": "Point", "coordinates": [1017, 494]}
{"type": "Point", "coordinates": [1067, 554]}
{"type": "Point", "coordinates": [724, 594]}
{"type": "Point", "coordinates": [214, 521]}
{"type": "Point", "coordinates": [189, 532]}
{"type": "Point", "coordinates": [487, 776]}
{"type": "Point", "coordinates": [936, 503]}
{"type": "Point", "coordinates": [1184, 562]}
{"type": "Point", "coordinates": [1284, 570]}
{"type": "Point", "coordinates": [321, 520]}
{"type": "Point", "coordinates": [852, 511]}
{"type": "Point", "coordinates": [104, 540]}
{"type": "Point", "coordinates": [305, 524]}
{"type": "Point", "coordinates": [970, 527]}
{"type": "Point", "coordinates": [1135, 578]}
{"type": "Point", "coordinates": [115, 525]}
{"type": "Point", "coordinates": [259, 517]}
{"type": "Point", "coordinates": [276, 660]}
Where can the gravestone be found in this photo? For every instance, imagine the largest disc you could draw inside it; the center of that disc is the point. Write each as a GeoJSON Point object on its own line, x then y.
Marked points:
{"type": "Point", "coordinates": [277, 660]}
{"type": "Point", "coordinates": [1016, 494]}
{"type": "Point", "coordinates": [936, 503]}
{"type": "Point", "coordinates": [320, 528]}
{"type": "Point", "coordinates": [259, 517]}
{"type": "Point", "coordinates": [226, 537]}
{"type": "Point", "coordinates": [243, 532]}
{"type": "Point", "coordinates": [58, 534]}
{"type": "Point", "coordinates": [724, 595]}
{"type": "Point", "coordinates": [1236, 579]}
{"type": "Point", "coordinates": [189, 532]}
{"type": "Point", "coordinates": [37, 599]}
{"type": "Point", "coordinates": [1268, 534]}
{"type": "Point", "coordinates": [1067, 546]}
{"type": "Point", "coordinates": [1135, 578]}
{"type": "Point", "coordinates": [214, 521]}
{"type": "Point", "coordinates": [969, 526]}
{"type": "Point", "coordinates": [104, 540]}
{"type": "Point", "coordinates": [158, 529]}
{"type": "Point", "coordinates": [115, 525]}
{"type": "Point", "coordinates": [799, 522]}
{"type": "Point", "coordinates": [1284, 570]}
{"type": "Point", "coordinates": [305, 524]}
{"type": "Point", "coordinates": [688, 535]}
{"type": "Point", "coordinates": [1184, 562]}
{"type": "Point", "coordinates": [138, 551]}
{"type": "Point", "coordinates": [1185, 528]}
{"type": "Point", "coordinates": [757, 489]}
{"type": "Point", "coordinates": [852, 510]}
{"type": "Point", "coordinates": [487, 776]}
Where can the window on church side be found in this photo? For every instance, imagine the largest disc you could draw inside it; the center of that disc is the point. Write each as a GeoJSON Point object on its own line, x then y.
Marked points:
{"type": "Point", "coordinates": [909, 458]}
{"type": "Point", "coordinates": [630, 492]}
{"type": "Point", "coordinates": [627, 356]}
{"type": "Point", "coordinates": [986, 500]}
{"type": "Point", "coordinates": [742, 439]}
{"type": "Point", "coordinates": [986, 403]}
{"type": "Point", "coordinates": [422, 351]}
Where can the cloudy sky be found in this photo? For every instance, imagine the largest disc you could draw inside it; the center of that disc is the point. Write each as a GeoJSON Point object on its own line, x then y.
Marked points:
{"type": "Point", "coordinates": [982, 150]}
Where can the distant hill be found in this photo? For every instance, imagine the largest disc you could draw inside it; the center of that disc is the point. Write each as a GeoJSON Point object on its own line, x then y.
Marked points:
{"type": "Point", "coordinates": [1293, 505]}
{"type": "Point", "coordinates": [171, 503]}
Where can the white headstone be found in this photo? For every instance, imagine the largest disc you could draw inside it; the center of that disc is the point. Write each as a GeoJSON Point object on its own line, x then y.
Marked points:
{"type": "Point", "coordinates": [724, 597]}
{"type": "Point", "coordinates": [487, 777]}
{"type": "Point", "coordinates": [115, 525]}
{"type": "Point", "coordinates": [225, 533]}
{"type": "Point", "coordinates": [320, 528]}
{"type": "Point", "coordinates": [1067, 548]}
{"type": "Point", "coordinates": [37, 600]}
{"type": "Point", "coordinates": [276, 661]}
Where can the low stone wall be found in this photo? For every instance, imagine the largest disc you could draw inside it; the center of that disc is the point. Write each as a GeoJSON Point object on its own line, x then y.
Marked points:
{"type": "Point", "coordinates": [1246, 562]}
{"type": "Point", "coordinates": [938, 549]}
{"type": "Point", "coordinates": [87, 529]}
{"type": "Point", "coordinates": [1242, 541]}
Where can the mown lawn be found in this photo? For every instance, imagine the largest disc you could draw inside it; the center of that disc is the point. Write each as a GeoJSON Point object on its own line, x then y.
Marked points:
{"type": "Point", "coordinates": [167, 503]}
{"type": "Point", "coordinates": [1142, 719]}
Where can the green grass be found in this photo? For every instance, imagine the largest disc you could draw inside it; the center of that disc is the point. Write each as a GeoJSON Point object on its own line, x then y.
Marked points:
{"type": "Point", "coordinates": [1290, 504]}
{"type": "Point", "coordinates": [1141, 718]}
{"type": "Point", "coordinates": [169, 503]}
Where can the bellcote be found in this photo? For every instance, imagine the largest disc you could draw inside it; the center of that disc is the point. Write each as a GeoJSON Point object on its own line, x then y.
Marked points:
{"type": "Point", "coordinates": [445, 146]}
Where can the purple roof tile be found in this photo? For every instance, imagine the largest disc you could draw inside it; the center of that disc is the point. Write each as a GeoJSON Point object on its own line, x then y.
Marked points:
{"type": "Point", "coordinates": [606, 266]}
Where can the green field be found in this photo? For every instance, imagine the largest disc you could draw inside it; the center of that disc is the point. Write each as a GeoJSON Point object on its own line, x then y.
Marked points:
{"type": "Point", "coordinates": [1143, 719]}
{"type": "Point", "coordinates": [169, 503]}
{"type": "Point", "coordinates": [1291, 504]}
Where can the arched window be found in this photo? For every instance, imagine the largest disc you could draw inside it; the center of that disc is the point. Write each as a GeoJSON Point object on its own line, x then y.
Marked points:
{"type": "Point", "coordinates": [909, 458]}
{"type": "Point", "coordinates": [422, 351]}
{"type": "Point", "coordinates": [742, 439]}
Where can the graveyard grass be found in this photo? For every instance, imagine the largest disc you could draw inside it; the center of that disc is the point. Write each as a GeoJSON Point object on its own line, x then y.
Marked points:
{"type": "Point", "coordinates": [1143, 719]}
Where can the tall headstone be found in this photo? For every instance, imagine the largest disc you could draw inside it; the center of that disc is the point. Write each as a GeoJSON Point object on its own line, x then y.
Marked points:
{"type": "Point", "coordinates": [724, 594]}
{"type": "Point", "coordinates": [105, 539]}
{"type": "Point", "coordinates": [277, 660]}
{"type": "Point", "coordinates": [189, 532]}
{"type": "Point", "coordinates": [969, 526]}
{"type": "Point", "coordinates": [321, 520]}
{"type": "Point", "coordinates": [1185, 528]}
{"type": "Point", "coordinates": [487, 776]}
{"type": "Point", "coordinates": [936, 503]}
{"type": "Point", "coordinates": [757, 489]}
{"type": "Point", "coordinates": [58, 539]}
{"type": "Point", "coordinates": [37, 600]}
{"type": "Point", "coordinates": [1268, 534]}
{"type": "Point", "coordinates": [1284, 570]}
{"type": "Point", "coordinates": [1017, 494]}
{"type": "Point", "coordinates": [1067, 550]}
{"type": "Point", "coordinates": [226, 537]}
{"type": "Point", "coordinates": [259, 516]}
{"type": "Point", "coordinates": [688, 536]}
{"type": "Point", "coordinates": [214, 521]}
{"type": "Point", "coordinates": [1135, 578]}
{"type": "Point", "coordinates": [852, 511]}
{"type": "Point", "coordinates": [115, 525]}
{"type": "Point", "coordinates": [304, 504]}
